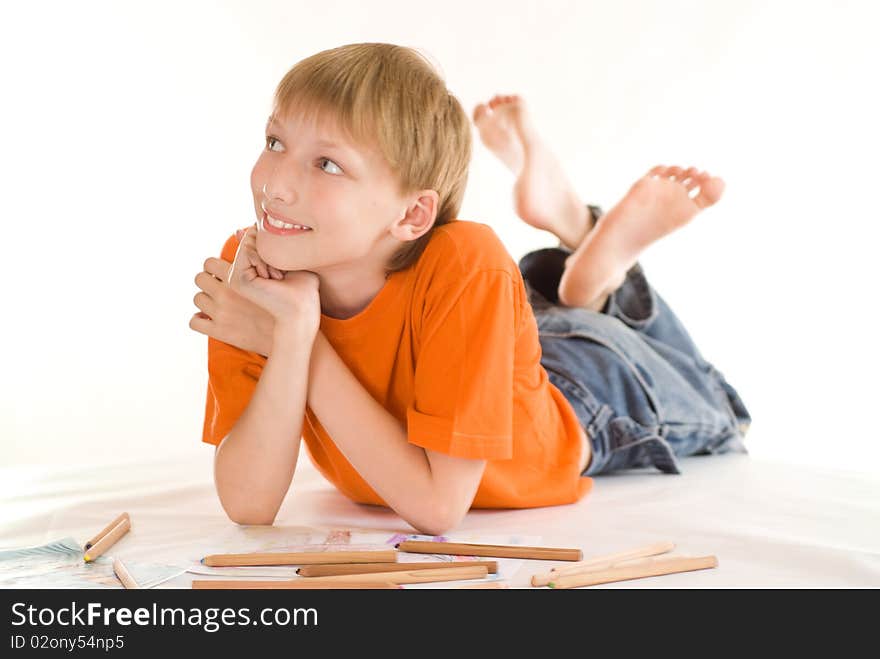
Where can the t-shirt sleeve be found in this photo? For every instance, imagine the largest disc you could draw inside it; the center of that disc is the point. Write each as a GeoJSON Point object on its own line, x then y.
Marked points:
{"type": "Point", "coordinates": [233, 374]}
{"type": "Point", "coordinates": [463, 399]}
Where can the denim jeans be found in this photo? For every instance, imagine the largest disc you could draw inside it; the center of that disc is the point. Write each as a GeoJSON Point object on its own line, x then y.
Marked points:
{"type": "Point", "coordinates": [634, 377]}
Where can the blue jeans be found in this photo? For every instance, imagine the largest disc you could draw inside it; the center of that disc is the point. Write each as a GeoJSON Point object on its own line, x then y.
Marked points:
{"type": "Point", "coordinates": [634, 377]}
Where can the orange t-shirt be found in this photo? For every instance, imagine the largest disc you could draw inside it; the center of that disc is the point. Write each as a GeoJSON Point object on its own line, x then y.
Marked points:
{"type": "Point", "coordinates": [449, 346]}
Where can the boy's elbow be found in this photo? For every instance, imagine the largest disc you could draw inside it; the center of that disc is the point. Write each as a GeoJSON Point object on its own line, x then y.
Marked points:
{"type": "Point", "coordinates": [250, 519]}
{"type": "Point", "coordinates": [439, 520]}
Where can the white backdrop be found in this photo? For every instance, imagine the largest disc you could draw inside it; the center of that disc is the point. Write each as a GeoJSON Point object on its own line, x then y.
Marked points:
{"type": "Point", "coordinates": [128, 133]}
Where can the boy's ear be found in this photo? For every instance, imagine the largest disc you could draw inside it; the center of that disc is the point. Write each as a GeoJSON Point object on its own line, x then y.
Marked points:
{"type": "Point", "coordinates": [419, 216]}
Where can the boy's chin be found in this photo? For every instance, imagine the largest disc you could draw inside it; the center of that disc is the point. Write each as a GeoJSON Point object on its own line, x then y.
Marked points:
{"type": "Point", "coordinates": [271, 256]}
{"type": "Point", "coordinates": [285, 265]}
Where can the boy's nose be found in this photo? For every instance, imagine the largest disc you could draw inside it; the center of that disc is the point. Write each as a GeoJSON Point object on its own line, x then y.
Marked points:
{"type": "Point", "coordinates": [278, 189]}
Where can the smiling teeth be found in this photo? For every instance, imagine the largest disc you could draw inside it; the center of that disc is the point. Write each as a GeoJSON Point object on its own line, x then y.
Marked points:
{"type": "Point", "coordinates": [284, 225]}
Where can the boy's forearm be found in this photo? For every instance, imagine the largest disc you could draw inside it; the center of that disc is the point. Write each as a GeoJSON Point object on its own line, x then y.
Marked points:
{"type": "Point", "coordinates": [255, 463]}
{"type": "Point", "coordinates": [373, 440]}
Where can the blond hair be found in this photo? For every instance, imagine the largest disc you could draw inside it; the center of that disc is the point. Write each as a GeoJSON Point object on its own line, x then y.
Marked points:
{"type": "Point", "coordinates": [390, 96]}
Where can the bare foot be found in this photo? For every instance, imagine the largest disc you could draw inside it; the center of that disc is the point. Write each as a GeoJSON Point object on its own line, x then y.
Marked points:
{"type": "Point", "coordinates": [542, 195]}
{"type": "Point", "coordinates": [660, 202]}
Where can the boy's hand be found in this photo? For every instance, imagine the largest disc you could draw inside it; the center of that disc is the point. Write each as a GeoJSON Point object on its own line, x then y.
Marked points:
{"type": "Point", "coordinates": [227, 316]}
{"type": "Point", "coordinates": [291, 297]}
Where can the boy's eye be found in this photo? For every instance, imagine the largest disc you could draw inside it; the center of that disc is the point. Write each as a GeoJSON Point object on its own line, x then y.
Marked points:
{"type": "Point", "coordinates": [271, 140]}
{"type": "Point", "coordinates": [331, 163]}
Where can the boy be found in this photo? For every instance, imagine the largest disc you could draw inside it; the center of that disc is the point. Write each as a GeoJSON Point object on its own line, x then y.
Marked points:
{"type": "Point", "coordinates": [405, 346]}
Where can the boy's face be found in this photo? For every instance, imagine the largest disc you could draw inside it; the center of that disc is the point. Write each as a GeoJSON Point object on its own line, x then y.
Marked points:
{"type": "Point", "coordinates": [309, 174]}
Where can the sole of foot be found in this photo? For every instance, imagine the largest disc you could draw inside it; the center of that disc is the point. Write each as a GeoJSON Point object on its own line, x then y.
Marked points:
{"type": "Point", "coordinates": [542, 195]}
{"type": "Point", "coordinates": [663, 200]}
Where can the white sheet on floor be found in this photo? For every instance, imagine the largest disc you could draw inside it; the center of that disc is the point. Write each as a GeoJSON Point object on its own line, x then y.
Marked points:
{"type": "Point", "coordinates": [769, 524]}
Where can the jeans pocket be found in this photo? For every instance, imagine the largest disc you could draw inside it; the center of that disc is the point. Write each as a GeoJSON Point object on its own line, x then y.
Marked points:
{"type": "Point", "coordinates": [590, 412]}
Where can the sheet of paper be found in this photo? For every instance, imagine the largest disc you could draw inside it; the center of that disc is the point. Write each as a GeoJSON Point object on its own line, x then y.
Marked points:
{"type": "Point", "coordinates": [278, 539]}
{"type": "Point", "coordinates": [60, 564]}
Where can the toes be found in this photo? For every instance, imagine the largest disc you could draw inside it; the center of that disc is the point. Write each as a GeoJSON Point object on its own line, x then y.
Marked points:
{"type": "Point", "coordinates": [691, 181]}
{"type": "Point", "coordinates": [688, 177]}
{"type": "Point", "coordinates": [674, 173]}
{"type": "Point", "coordinates": [711, 189]}
{"type": "Point", "coordinates": [657, 171]}
{"type": "Point", "coordinates": [502, 99]}
{"type": "Point", "coordinates": [480, 111]}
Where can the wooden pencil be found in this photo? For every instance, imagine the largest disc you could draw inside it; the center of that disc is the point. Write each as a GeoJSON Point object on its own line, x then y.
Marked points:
{"type": "Point", "coordinates": [106, 530]}
{"type": "Point", "coordinates": [497, 551]}
{"type": "Point", "coordinates": [300, 558]}
{"type": "Point", "coordinates": [335, 569]}
{"type": "Point", "coordinates": [124, 575]}
{"type": "Point", "coordinates": [602, 562]}
{"type": "Point", "coordinates": [650, 568]}
{"type": "Point", "coordinates": [289, 584]}
{"type": "Point", "coordinates": [108, 540]}
{"type": "Point", "coordinates": [413, 576]}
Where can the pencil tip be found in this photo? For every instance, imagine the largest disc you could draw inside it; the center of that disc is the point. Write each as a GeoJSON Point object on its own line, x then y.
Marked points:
{"type": "Point", "coordinates": [87, 558]}
{"type": "Point", "coordinates": [397, 545]}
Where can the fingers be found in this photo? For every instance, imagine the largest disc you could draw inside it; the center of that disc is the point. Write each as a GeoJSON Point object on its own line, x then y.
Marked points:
{"type": "Point", "coordinates": [200, 323]}
{"type": "Point", "coordinates": [246, 268]}
{"type": "Point", "coordinates": [217, 267]}
{"type": "Point", "coordinates": [249, 242]}
{"type": "Point", "coordinates": [204, 302]}
{"type": "Point", "coordinates": [209, 283]}
{"type": "Point", "coordinates": [259, 264]}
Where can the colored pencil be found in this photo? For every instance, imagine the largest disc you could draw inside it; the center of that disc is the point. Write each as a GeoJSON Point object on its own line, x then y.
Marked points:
{"type": "Point", "coordinates": [413, 576]}
{"type": "Point", "coordinates": [106, 530]}
{"type": "Point", "coordinates": [300, 558]}
{"type": "Point", "coordinates": [497, 551]}
{"type": "Point", "coordinates": [107, 541]}
{"type": "Point", "coordinates": [602, 562]}
{"type": "Point", "coordinates": [647, 568]}
{"type": "Point", "coordinates": [124, 575]}
{"type": "Point", "coordinates": [335, 569]}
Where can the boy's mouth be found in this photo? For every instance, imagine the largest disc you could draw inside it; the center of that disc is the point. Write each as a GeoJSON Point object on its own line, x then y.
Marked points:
{"type": "Point", "coordinates": [278, 226]}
